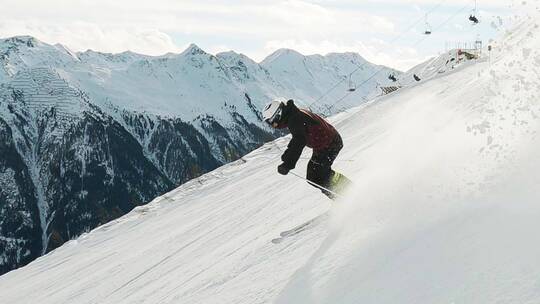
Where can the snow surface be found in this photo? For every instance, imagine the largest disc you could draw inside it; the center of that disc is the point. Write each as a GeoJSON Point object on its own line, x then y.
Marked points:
{"type": "Point", "coordinates": [218, 93]}
{"type": "Point", "coordinates": [444, 210]}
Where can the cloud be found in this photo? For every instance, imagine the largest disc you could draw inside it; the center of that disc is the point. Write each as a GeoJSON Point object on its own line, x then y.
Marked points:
{"type": "Point", "coordinates": [376, 51]}
{"type": "Point", "coordinates": [251, 27]}
{"type": "Point", "coordinates": [490, 3]}
{"type": "Point", "coordinates": [237, 17]}
{"type": "Point", "coordinates": [83, 35]}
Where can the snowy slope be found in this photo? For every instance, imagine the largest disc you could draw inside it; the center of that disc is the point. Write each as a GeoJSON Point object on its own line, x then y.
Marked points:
{"type": "Point", "coordinates": [448, 193]}
{"type": "Point", "coordinates": [442, 64]}
{"type": "Point", "coordinates": [444, 210]}
{"type": "Point", "coordinates": [88, 136]}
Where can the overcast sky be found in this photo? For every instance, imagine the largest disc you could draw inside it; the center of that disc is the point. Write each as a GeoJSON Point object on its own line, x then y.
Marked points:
{"type": "Point", "coordinates": [256, 28]}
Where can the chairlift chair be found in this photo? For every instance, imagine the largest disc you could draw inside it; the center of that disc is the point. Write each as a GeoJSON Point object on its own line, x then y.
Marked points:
{"type": "Point", "coordinates": [428, 28]}
{"type": "Point", "coordinates": [352, 85]}
{"type": "Point", "coordinates": [473, 14]}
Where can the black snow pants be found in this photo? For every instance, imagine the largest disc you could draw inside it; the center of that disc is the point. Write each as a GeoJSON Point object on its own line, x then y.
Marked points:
{"type": "Point", "coordinates": [319, 169]}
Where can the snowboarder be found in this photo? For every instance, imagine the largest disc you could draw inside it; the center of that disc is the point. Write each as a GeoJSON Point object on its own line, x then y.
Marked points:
{"type": "Point", "coordinates": [311, 130]}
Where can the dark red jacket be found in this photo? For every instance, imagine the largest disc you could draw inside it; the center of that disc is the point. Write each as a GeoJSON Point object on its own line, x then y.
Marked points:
{"type": "Point", "coordinates": [307, 129]}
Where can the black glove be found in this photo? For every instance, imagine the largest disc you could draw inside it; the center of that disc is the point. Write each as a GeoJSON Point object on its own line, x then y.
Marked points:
{"type": "Point", "coordinates": [283, 169]}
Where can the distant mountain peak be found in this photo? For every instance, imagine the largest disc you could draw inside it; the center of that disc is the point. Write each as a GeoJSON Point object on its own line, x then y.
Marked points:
{"type": "Point", "coordinates": [234, 56]}
{"type": "Point", "coordinates": [286, 51]}
{"type": "Point", "coordinates": [67, 51]}
{"type": "Point", "coordinates": [228, 54]}
{"type": "Point", "coordinates": [345, 54]}
{"type": "Point", "coordinates": [282, 53]}
{"type": "Point", "coordinates": [193, 49]}
{"type": "Point", "coordinates": [29, 41]}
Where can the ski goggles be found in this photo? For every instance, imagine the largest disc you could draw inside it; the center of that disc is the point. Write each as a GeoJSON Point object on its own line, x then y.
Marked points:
{"type": "Point", "coordinates": [276, 117]}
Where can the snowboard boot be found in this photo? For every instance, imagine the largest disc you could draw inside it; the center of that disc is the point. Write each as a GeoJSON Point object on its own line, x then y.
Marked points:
{"type": "Point", "coordinates": [337, 183]}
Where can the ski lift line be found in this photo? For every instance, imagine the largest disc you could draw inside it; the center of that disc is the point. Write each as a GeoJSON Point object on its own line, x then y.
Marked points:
{"type": "Point", "coordinates": [382, 68]}
{"type": "Point", "coordinates": [391, 42]}
{"type": "Point", "coordinates": [444, 23]}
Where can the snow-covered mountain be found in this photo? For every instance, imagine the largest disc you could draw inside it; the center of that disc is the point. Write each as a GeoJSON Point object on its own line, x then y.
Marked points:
{"type": "Point", "coordinates": [444, 210]}
{"type": "Point", "coordinates": [85, 137]}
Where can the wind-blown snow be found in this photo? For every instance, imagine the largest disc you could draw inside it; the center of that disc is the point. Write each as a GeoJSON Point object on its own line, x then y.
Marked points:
{"type": "Point", "coordinates": [444, 210]}
{"type": "Point", "coordinates": [446, 202]}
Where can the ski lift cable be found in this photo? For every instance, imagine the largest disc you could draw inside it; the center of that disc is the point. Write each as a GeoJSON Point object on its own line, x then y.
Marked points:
{"type": "Point", "coordinates": [382, 68]}
{"type": "Point", "coordinates": [378, 50]}
{"type": "Point", "coordinates": [391, 42]}
{"type": "Point", "coordinates": [474, 13]}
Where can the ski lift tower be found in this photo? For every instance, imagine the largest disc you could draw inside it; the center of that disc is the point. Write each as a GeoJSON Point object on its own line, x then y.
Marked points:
{"type": "Point", "coordinates": [478, 46]}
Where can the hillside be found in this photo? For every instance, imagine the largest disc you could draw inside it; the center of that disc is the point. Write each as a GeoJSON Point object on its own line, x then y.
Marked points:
{"type": "Point", "coordinates": [88, 136]}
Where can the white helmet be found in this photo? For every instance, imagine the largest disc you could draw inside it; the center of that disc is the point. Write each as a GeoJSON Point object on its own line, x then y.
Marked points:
{"type": "Point", "coordinates": [273, 111]}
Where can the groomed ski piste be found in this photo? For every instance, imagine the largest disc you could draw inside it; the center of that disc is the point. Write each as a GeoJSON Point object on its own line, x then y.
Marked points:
{"type": "Point", "coordinates": [444, 209]}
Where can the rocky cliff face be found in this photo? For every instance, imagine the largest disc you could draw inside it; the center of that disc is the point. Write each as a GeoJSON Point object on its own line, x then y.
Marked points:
{"type": "Point", "coordinates": [86, 137]}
